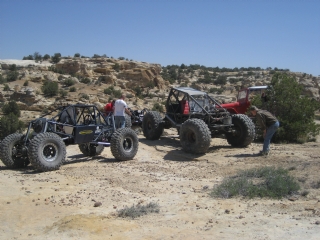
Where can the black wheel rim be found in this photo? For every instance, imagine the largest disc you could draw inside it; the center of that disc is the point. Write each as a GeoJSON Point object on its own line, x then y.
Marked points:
{"type": "Point", "coordinates": [49, 152]}
{"type": "Point", "coordinates": [127, 144]}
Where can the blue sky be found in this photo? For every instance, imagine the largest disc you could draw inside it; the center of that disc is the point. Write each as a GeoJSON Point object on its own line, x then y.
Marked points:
{"type": "Point", "coordinates": [223, 33]}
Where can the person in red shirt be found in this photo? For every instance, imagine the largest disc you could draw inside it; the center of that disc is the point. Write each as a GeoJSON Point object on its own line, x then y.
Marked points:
{"type": "Point", "coordinates": [109, 107]}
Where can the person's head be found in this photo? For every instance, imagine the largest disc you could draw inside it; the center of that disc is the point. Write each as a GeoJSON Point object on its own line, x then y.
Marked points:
{"type": "Point", "coordinates": [123, 96]}
{"type": "Point", "coordinates": [253, 110]}
{"type": "Point", "coordinates": [113, 101]}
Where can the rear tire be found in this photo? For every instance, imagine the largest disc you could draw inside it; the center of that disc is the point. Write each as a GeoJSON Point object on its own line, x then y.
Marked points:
{"type": "Point", "coordinates": [124, 144]}
{"type": "Point", "coordinates": [128, 123]}
{"type": "Point", "coordinates": [91, 150]}
{"type": "Point", "coordinates": [244, 131]}
{"type": "Point", "coordinates": [11, 151]}
{"type": "Point", "coordinates": [47, 152]}
{"type": "Point", "coordinates": [195, 136]}
{"type": "Point", "coordinates": [152, 125]}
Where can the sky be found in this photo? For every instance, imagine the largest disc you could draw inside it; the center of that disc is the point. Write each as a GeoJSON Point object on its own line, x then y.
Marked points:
{"type": "Point", "coordinates": [224, 33]}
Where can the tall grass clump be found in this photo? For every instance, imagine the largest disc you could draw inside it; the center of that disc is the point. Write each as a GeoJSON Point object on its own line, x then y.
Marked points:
{"type": "Point", "coordinates": [269, 182]}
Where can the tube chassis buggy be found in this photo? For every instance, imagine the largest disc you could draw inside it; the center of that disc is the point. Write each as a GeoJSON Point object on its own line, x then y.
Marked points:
{"type": "Point", "coordinates": [44, 144]}
{"type": "Point", "coordinates": [198, 117]}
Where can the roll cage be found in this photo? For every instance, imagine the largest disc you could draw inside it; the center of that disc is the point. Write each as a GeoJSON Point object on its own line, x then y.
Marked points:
{"type": "Point", "coordinates": [75, 124]}
{"type": "Point", "coordinates": [184, 103]}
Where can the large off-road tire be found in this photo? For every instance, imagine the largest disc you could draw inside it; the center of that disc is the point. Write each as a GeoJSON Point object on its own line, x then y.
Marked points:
{"type": "Point", "coordinates": [13, 152]}
{"type": "Point", "coordinates": [47, 152]}
{"type": "Point", "coordinates": [244, 131]}
{"type": "Point", "coordinates": [152, 125]}
{"type": "Point", "coordinates": [195, 136]}
{"type": "Point", "coordinates": [124, 144]}
{"type": "Point", "coordinates": [128, 121]}
{"type": "Point", "coordinates": [91, 149]}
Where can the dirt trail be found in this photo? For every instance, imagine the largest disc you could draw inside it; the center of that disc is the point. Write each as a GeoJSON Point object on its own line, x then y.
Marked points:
{"type": "Point", "coordinates": [60, 204]}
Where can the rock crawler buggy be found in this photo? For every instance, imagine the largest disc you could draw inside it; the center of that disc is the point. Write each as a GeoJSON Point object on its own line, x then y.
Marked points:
{"type": "Point", "coordinates": [198, 117]}
{"type": "Point", "coordinates": [44, 144]}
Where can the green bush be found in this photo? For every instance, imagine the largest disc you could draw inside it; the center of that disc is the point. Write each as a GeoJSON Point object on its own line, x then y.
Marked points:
{"type": "Point", "coordinates": [263, 182]}
{"type": "Point", "coordinates": [6, 87]}
{"type": "Point", "coordinates": [10, 124]}
{"type": "Point", "coordinates": [46, 57]}
{"type": "Point", "coordinates": [112, 92]}
{"type": "Point", "coordinates": [295, 112]}
{"type": "Point", "coordinates": [69, 82]}
{"type": "Point", "coordinates": [138, 210]}
{"type": "Point", "coordinates": [138, 91]}
{"type": "Point", "coordinates": [117, 93]}
{"type": "Point", "coordinates": [216, 90]}
{"type": "Point", "coordinates": [221, 80]}
{"type": "Point", "coordinates": [2, 79]}
{"type": "Point", "coordinates": [108, 91]}
{"type": "Point", "coordinates": [13, 74]}
{"type": "Point", "coordinates": [11, 107]}
{"type": "Point", "coordinates": [26, 83]}
{"type": "Point", "coordinates": [85, 96]}
{"type": "Point", "coordinates": [158, 107]}
{"type": "Point", "coordinates": [63, 93]}
{"type": "Point", "coordinates": [116, 67]}
{"type": "Point", "coordinates": [85, 80]}
{"type": "Point", "coordinates": [72, 89]}
{"type": "Point", "coordinates": [50, 89]}
{"type": "Point", "coordinates": [56, 58]}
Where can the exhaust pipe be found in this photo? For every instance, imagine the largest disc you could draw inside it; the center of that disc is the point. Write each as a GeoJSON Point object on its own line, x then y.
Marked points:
{"type": "Point", "coordinates": [102, 143]}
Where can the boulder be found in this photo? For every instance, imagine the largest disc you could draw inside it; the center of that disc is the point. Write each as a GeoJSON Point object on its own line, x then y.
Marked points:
{"type": "Point", "coordinates": [68, 66]}
{"type": "Point", "coordinates": [27, 99]}
{"type": "Point", "coordinates": [51, 76]}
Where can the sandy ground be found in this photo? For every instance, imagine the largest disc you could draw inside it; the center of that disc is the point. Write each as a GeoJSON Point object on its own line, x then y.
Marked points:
{"type": "Point", "coordinates": [60, 204]}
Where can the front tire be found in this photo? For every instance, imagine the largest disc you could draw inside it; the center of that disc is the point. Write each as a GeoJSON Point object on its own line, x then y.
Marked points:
{"type": "Point", "coordinates": [47, 152]}
{"type": "Point", "coordinates": [13, 152]}
{"type": "Point", "coordinates": [195, 136]}
{"type": "Point", "coordinates": [91, 150]}
{"type": "Point", "coordinates": [152, 125]}
{"type": "Point", "coordinates": [244, 131]}
{"type": "Point", "coordinates": [124, 144]}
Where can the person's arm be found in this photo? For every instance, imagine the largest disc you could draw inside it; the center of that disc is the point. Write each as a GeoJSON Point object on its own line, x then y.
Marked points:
{"type": "Point", "coordinates": [127, 111]}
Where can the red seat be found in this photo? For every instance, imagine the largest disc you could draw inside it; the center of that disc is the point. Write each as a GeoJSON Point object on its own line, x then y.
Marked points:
{"type": "Point", "coordinates": [184, 107]}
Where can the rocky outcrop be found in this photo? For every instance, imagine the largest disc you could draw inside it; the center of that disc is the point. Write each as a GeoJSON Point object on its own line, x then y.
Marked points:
{"type": "Point", "coordinates": [142, 77]}
{"type": "Point", "coordinates": [68, 66]}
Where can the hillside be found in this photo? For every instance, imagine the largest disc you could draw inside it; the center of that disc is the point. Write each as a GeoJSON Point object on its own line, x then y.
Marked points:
{"type": "Point", "coordinates": [96, 80]}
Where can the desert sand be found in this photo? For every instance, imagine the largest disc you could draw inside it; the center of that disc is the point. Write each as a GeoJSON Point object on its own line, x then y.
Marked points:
{"type": "Point", "coordinates": [60, 204]}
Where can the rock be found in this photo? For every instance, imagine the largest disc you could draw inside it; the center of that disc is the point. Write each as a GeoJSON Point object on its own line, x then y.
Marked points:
{"type": "Point", "coordinates": [68, 66]}
{"type": "Point", "coordinates": [293, 198]}
{"type": "Point", "coordinates": [51, 76]}
{"type": "Point", "coordinates": [97, 204]}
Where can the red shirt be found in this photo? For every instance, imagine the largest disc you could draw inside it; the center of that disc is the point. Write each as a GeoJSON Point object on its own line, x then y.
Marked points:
{"type": "Point", "coordinates": [108, 108]}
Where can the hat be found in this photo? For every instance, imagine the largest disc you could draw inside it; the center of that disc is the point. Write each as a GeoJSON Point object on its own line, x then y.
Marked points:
{"type": "Point", "coordinates": [254, 108]}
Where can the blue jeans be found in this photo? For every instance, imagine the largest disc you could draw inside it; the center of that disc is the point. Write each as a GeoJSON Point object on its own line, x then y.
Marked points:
{"type": "Point", "coordinates": [120, 121]}
{"type": "Point", "coordinates": [270, 131]}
